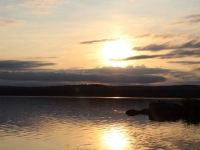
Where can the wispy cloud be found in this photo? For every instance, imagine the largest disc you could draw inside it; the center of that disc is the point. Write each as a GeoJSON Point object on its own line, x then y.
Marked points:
{"type": "Point", "coordinates": [190, 44]}
{"type": "Point", "coordinates": [9, 7]}
{"type": "Point", "coordinates": [7, 65]}
{"type": "Point", "coordinates": [98, 41]}
{"type": "Point", "coordinates": [197, 69]}
{"type": "Point", "coordinates": [137, 57]}
{"type": "Point", "coordinates": [193, 44]}
{"type": "Point", "coordinates": [143, 35]}
{"type": "Point", "coordinates": [154, 47]}
{"type": "Point", "coordinates": [172, 54]}
{"type": "Point", "coordinates": [159, 36]}
{"type": "Point", "coordinates": [189, 20]}
{"type": "Point", "coordinates": [166, 35]}
{"type": "Point", "coordinates": [40, 6]}
{"type": "Point", "coordinates": [185, 62]}
{"type": "Point", "coordinates": [181, 54]}
{"type": "Point", "coordinates": [193, 16]}
{"type": "Point", "coordinates": [7, 22]}
{"type": "Point", "coordinates": [42, 57]}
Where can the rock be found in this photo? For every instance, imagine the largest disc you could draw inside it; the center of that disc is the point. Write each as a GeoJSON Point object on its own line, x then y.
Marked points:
{"type": "Point", "coordinates": [144, 111]}
{"type": "Point", "coordinates": [132, 112]}
{"type": "Point", "coordinates": [165, 111]}
{"type": "Point", "coordinates": [169, 111]}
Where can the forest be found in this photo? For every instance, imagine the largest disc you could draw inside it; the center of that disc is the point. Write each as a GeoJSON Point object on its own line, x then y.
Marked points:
{"type": "Point", "coordinates": [175, 91]}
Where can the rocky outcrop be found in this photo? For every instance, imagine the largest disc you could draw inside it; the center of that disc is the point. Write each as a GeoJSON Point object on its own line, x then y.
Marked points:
{"type": "Point", "coordinates": [189, 111]}
{"type": "Point", "coordinates": [165, 111]}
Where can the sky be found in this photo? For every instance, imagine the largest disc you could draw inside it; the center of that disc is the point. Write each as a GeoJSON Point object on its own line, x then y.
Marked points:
{"type": "Point", "coordinates": [112, 42]}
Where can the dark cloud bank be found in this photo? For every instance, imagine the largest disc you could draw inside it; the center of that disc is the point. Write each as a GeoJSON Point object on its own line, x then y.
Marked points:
{"type": "Point", "coordinates": [29, 73]}
{"type": "Point", "coordinates": [107, 75]}
{"type": "Point", "coordinates": [76, 77]}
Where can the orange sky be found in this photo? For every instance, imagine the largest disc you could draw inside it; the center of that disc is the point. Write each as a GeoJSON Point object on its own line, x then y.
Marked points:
{"type": "Point", "coordinates": [75, 37]}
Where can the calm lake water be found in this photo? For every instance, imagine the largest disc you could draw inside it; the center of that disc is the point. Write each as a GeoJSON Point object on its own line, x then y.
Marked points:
{"type": "Point", "coordinates": [53, 123]}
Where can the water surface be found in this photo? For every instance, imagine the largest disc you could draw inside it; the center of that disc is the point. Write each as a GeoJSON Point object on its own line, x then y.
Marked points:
{"type": "Point", "coordinates": [63, 123]}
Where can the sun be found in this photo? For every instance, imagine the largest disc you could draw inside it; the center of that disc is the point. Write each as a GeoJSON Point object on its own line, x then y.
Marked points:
{"type": "Point", "coordinates": [114, 50]}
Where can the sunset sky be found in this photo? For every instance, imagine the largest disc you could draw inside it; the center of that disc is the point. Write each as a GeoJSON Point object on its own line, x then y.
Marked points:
{"type": "Point", "coordinates": [112, 42]}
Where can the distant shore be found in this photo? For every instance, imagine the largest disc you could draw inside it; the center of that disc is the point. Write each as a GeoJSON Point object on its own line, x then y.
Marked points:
{"type": "Point", "coordinates": [95, 90]}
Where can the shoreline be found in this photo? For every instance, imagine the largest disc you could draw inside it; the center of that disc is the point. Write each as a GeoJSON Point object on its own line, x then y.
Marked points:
{"type": "Point", "coordinates": [98, 97]}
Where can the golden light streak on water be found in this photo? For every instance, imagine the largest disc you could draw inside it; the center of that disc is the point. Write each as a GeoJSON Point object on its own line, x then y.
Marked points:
{"type": "Point", "coordinates": [116, 139]}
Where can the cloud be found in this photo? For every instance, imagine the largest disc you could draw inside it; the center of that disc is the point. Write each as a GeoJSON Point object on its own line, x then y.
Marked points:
{"type": "Point", "coordinates": [137, 70]}
{"type": "Point", "coordinates": [154, 47]}
{"type": "Point", "coordinates": [42, 57]}
{"type": "Point", "coordinates": [172, 54]}
{"type": "Point", "coordinates": [98, 41]}
{"type": "Point", "coordinates": [169, 35]}
{"type": "Point", "coordinates": [161, 36]}
{"type": "Point", "coordinates": [181, 54]}
{"type": "Point", "coordinates": [41, 12]}
{"type": "Point", "coordinates": [189, 20]}
{"type": "Point", "coordinates": [75, 77]}
{"type": "Point", "coordinates": [193, 16]}
{"type": "Point", "coordinates": [9, 7]}
{"type": "Point", "coordinates": [7, 22]}
{"type": "Point", "coordinates": [137, 57]}
{"type": "Point", "coordinates": [40, 6]}
{"type": "Point", "coordinates": [166, 35]}
{"type": "Point", "coordinates": [190, 44]}
{"type": "Point", "coordinates": [143, 35]}
{"type": "Point", "coordinates": [106, 75]}
{"type": "Point", "coordinates": [151, 47]}
{"type": "Point", "coordinates": [22, 65]}
{"type": "Point", "coordinates": [166, 46]}
{"type": "Point", "coordinates": [185, 62]}
{"type": "Point", "coordinates": [197, 69]}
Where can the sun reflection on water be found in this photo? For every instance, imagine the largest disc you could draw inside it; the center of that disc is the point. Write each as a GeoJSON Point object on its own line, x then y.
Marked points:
{"type": "Point", "coordinates": [115, 139]}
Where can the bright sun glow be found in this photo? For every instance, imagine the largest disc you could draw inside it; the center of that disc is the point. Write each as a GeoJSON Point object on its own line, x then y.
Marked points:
{"type": "Point", "coordinates": [115, 139]}
{"type": "Point", "coordinates": [116, 50]}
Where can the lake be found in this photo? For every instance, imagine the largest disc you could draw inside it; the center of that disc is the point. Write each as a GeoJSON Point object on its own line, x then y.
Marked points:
{"type": "Point", "coordinates": [67, 123]}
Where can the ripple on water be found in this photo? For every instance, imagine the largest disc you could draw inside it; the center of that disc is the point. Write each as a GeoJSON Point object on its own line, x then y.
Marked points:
{"type": "Point", "coordinates": [70, 124]}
